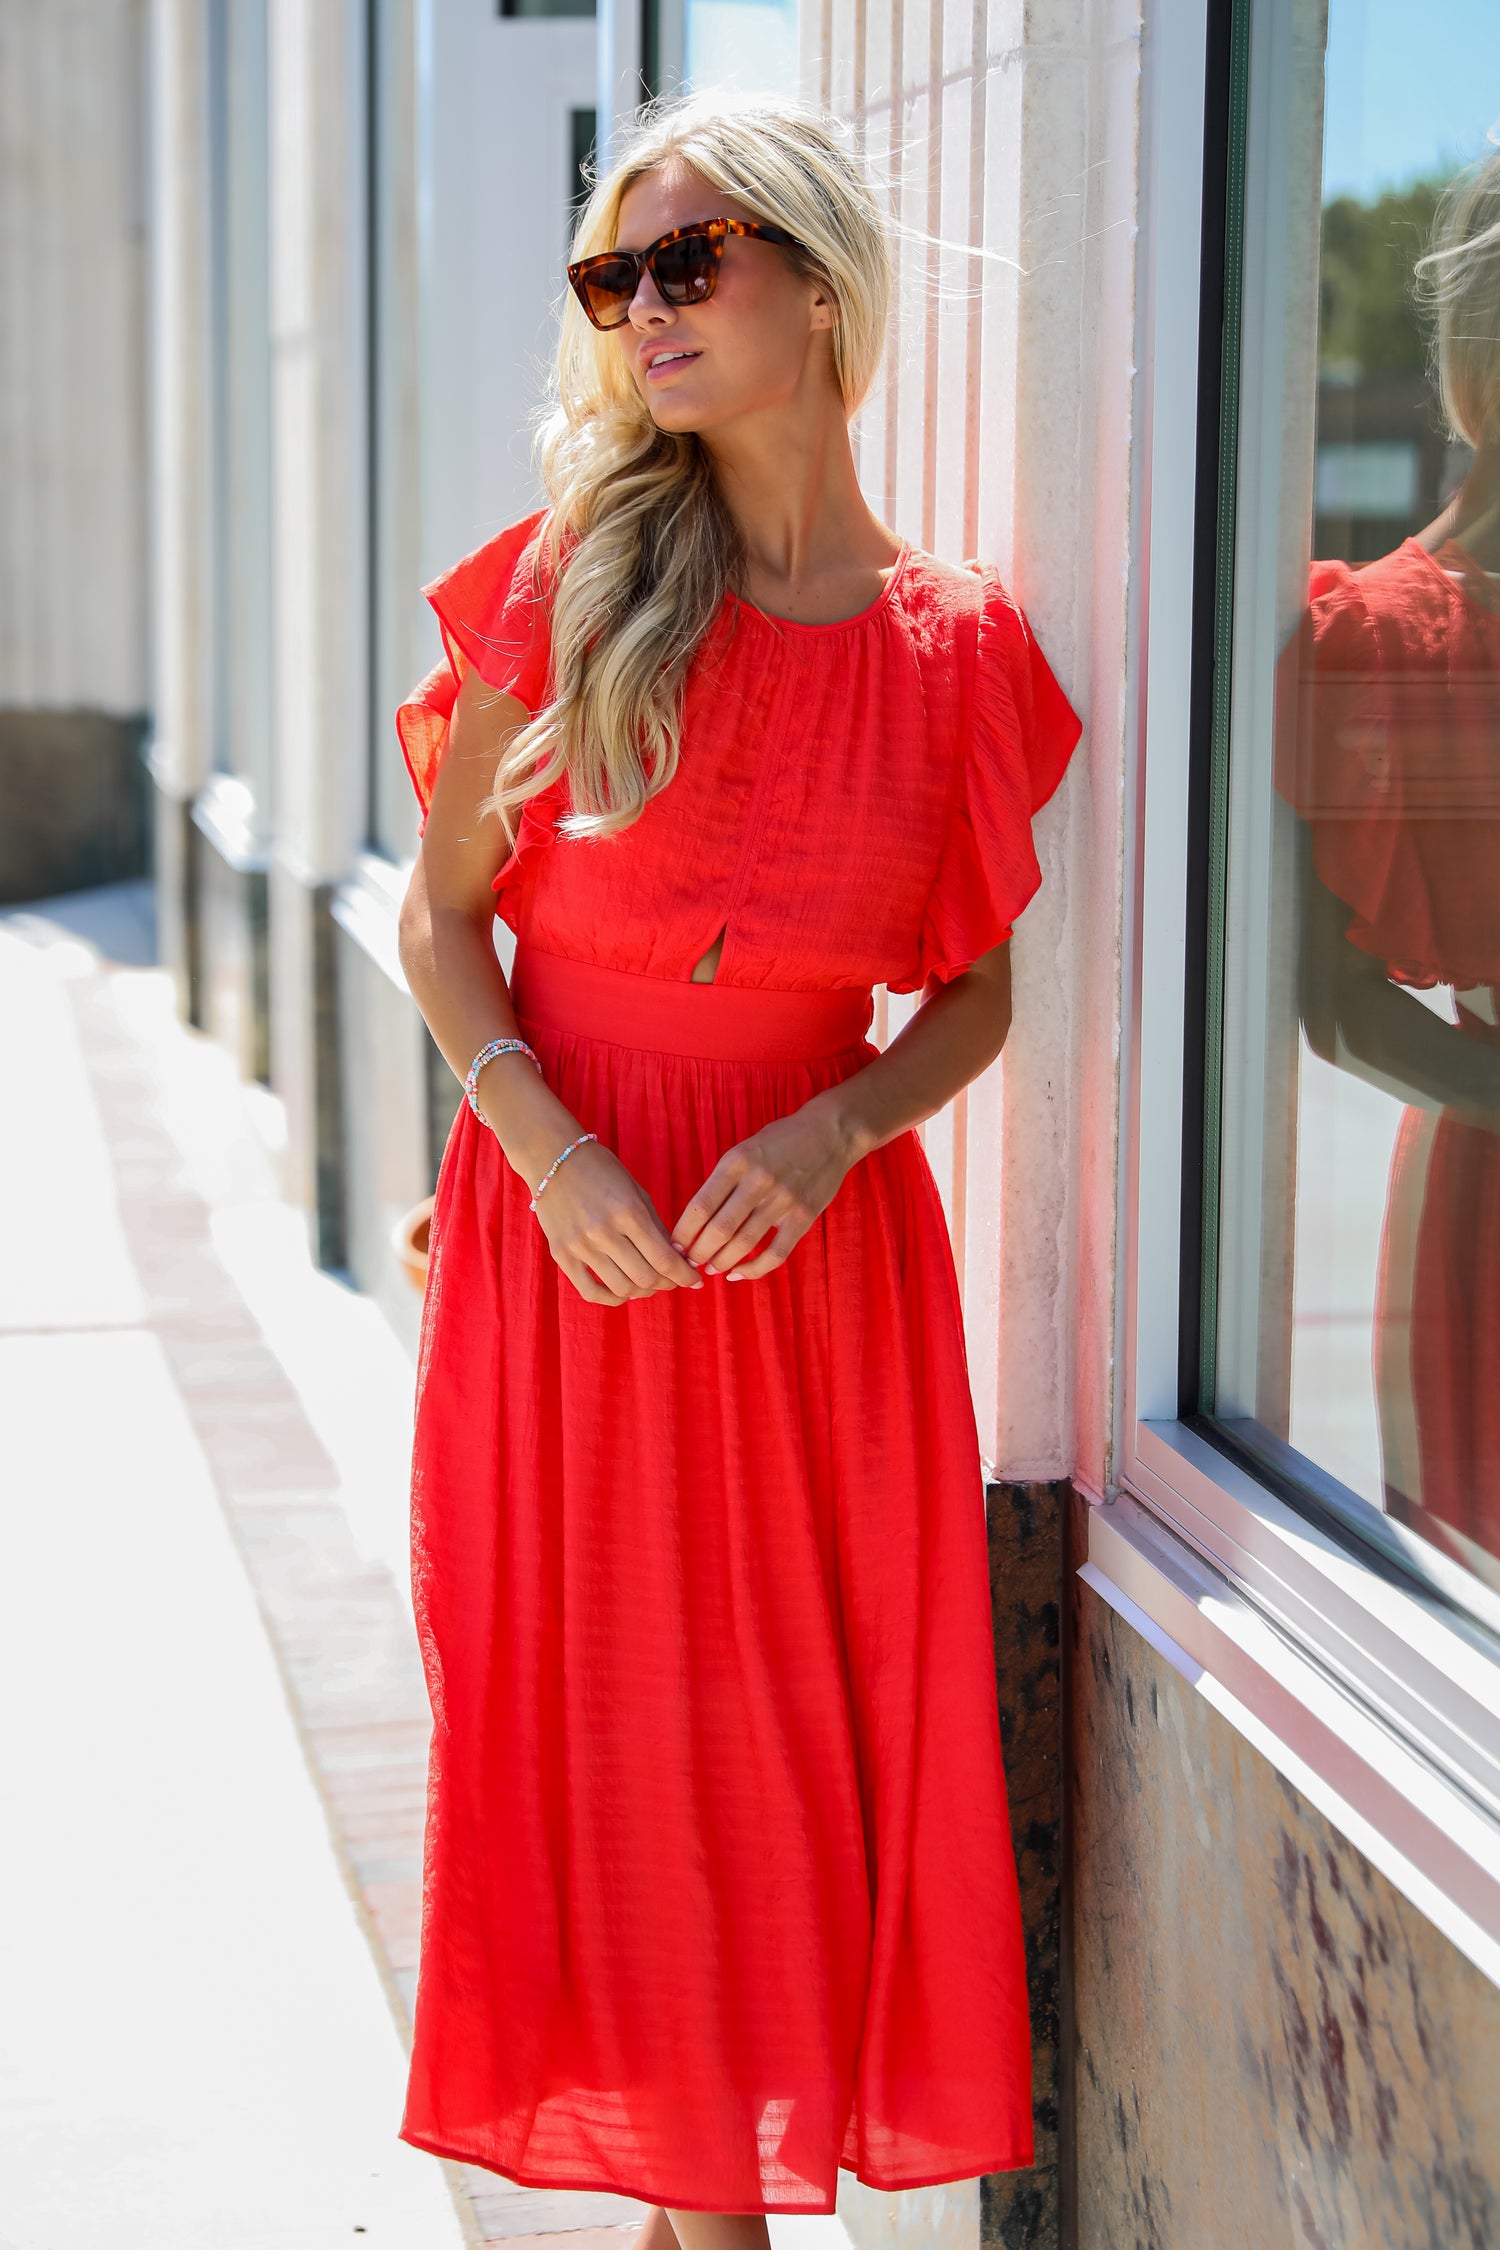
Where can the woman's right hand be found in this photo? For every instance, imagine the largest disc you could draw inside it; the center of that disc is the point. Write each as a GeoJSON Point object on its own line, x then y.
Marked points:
{"type": "Point", "coordinates": [600, 1225]}
{"type": "Point", "coordinates": [605, 1233]}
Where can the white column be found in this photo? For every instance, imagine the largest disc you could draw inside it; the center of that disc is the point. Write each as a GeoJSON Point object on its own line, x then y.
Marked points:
{"type": "Point", "coordinates": [1001, 429]}
{"type": "Point", "coordinates": [318, 395]}
{"type": "Point", "coordinates": [1079, 71]}
{"type": "Point", "coordinates": [181, 399]}
{"type": "Point", "coordinates": [619, 23]}
{"type": "Point", "coordinates": [319, 539]}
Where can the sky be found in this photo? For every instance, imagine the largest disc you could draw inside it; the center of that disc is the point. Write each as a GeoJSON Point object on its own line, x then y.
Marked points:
{"type": "Point", "coordinates": [1412, 87]}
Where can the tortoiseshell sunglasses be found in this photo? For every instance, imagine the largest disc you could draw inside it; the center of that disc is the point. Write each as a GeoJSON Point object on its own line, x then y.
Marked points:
{"type": "Point", "coordinates": [684, 265]}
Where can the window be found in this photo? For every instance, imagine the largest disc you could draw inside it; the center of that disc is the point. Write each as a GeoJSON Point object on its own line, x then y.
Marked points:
{"type": "Point", "coordinates": [749, 46]}
{"type": "Point", "coordinates": [583, 127]}
{"type": "Point", "coordinates": [1349, 1232]}
{"type": "Point", "coordinates": [1295, 1527]}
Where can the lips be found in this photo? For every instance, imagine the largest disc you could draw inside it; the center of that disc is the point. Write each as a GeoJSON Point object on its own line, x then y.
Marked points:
{"type": "Point", "coordinates": [664, 362]}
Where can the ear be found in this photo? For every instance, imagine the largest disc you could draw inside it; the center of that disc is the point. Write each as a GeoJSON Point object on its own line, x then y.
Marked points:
{"type": "Point", "coordinates": [825, 308]}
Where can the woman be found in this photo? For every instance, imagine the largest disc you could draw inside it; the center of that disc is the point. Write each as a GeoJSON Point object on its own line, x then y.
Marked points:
{"type": "Point", "coordinates": [719, 1885]}
{"type": "Point", "coordinates": [1393, 766]}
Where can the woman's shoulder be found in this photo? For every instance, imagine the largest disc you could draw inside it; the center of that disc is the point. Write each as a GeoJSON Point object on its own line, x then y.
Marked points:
{"type": "Point", "coordinates": [964, 614]}
{"type": "Point", "coordinates": [931, 586]}
{"type": "Point", "coordinates": [492, 610]}
{"type": "Point", "coordinates": [488, 571]}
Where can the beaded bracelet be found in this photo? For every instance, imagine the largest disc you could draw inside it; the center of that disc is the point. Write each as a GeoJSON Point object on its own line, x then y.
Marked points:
{"type": "Point", "coordinates": [488, 1054]}
{"type": "Point", "coordinates": [552, 1167]}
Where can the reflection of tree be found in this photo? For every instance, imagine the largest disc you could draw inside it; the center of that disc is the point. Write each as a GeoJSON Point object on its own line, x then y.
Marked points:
{"type": "Point", "coordinates": [1374, 388]}
{"type": "Point", "coordinates": [1368, 321]}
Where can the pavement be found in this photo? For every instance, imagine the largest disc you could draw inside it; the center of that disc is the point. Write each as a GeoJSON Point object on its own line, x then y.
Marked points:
{"type": "Point", "coordinates": [213, 1750]}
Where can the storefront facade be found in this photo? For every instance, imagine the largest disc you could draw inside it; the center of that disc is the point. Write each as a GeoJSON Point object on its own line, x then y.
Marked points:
{"type": "Point", "coordinates": [1220, 1213]}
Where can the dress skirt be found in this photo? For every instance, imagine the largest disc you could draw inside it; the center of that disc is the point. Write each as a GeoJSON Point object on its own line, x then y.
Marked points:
{"type": "Point", "coordinates": [1437, 1328]}
{"type": "Point", "coordinates": [719, 1889]}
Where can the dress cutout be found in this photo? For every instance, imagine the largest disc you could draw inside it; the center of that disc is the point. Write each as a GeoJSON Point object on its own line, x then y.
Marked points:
{"type": "Point", "coordinates": [719, 1886]}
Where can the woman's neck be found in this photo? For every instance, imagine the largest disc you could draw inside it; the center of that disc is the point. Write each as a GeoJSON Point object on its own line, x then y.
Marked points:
{"type": "Point", "coordinates": [1472, 516]}
{"type": "Point", "coordinates": [790, 483]}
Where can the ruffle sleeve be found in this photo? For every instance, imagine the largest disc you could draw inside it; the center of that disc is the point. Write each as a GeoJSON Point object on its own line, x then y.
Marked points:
{"type": "Point", "coordinates": [492, 618]}
{"type": "Point", "coordinates": [1022, 731]}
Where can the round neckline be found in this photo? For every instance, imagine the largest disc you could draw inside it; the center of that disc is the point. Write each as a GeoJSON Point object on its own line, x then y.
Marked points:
{"type": "Point", "coordinates": [835, 624]}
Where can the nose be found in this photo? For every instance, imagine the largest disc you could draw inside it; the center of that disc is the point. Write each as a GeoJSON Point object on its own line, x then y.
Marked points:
{"type": "Point", "coordinates": [648, 304]}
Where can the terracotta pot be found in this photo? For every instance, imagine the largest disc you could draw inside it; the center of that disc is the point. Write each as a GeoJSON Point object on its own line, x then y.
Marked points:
{"type": "Point", "coordinates": [409, 1241]}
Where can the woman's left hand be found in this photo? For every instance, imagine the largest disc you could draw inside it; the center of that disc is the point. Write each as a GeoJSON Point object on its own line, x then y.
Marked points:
{"type": "Point", "coordinates": [782, 1176]}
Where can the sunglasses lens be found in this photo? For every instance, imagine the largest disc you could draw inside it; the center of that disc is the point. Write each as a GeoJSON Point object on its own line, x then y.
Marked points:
{"type": "Point", "coordinates": [686, 270]}
{"type": "Point", "coordinates": [609, 287]}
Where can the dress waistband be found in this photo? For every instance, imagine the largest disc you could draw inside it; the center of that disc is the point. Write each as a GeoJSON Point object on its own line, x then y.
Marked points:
{"type": "Point", "coordinates": [719, 1022]}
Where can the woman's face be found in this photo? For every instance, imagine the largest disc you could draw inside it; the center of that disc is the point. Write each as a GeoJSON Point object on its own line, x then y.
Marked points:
{"type": "Point", "coordinates": [752, 345]}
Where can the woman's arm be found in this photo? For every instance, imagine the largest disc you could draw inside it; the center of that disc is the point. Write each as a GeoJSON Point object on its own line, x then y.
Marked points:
{"type": "Point", "coordinates": [784, 1175]}
{"type": "Point", "coordinates": [602, 1227]}
{"type": "Point", "coordinates": [1357, 1019]}
{"type": "Point", "coordinates": [956, 1033]}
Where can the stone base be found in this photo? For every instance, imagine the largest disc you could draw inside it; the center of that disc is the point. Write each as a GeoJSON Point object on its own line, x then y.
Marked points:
{"type": "Point", "coordinates": [305, 1057]}
{"type": "Point", "coordinates": [386, 1136]}
{"type": "Point", "coordinates": [232, 898]}
{"type": "Point", "coordinates": [74, 803]}
{"type": "Point", "coordinates": [1021, 2210]}
{"type": "Point", "coordinates": [1270, 2044]}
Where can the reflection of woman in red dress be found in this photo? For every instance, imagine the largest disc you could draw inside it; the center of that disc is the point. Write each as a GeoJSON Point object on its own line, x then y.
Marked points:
{"type": "Point", "coordinates": [719, 1889]}
{"type": "Point", "coordinates": [1397, 775]}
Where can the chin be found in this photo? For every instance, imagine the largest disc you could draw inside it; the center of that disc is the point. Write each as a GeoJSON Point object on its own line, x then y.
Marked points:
{"type": "Point", "coordinates": [679, 425]}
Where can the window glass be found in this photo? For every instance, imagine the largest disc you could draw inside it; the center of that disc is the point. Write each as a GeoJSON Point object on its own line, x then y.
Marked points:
{"type": "Point", "coordinates": [546, 8]}
{"type": "Point", "coordinates": [1352, 1205]}
{"type": "Point", "coordinates": [747, 44]}
{"type": "Point", "coordinates": [583, 127]}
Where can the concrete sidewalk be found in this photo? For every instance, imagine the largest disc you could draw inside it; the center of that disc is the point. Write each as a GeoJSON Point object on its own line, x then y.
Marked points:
{"type": "Point", "coordinates": [213, 1748]}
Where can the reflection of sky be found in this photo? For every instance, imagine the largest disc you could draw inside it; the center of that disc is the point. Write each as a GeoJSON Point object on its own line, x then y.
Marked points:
{"type": "Point", "coordinates": [1411, 89]}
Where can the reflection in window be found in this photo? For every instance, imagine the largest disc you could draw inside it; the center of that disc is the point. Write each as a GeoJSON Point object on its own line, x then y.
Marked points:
{"type": "Point", "coordinates": [1358, 1274]}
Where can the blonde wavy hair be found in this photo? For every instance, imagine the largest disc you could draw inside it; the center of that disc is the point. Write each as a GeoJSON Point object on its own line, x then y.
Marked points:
{"type": "Point", "coordinates": [638, 549]}
{"type": "Point", "coordinates": [1458, 285]}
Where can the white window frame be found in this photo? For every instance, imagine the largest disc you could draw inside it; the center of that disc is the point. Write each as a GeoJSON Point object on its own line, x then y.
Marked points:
{"type": "Point", "coordinates": [1370, 1693]}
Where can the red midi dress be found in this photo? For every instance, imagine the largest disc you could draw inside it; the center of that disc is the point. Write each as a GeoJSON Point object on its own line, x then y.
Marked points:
{"type": "Point", "coordinates": [719, 1888]}
{"type": "Point", "coordinates": [1395, 765]}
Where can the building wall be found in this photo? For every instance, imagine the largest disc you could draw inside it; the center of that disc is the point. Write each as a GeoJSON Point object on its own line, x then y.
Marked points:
{"type": "Point", "coordinates": [73, 592]}
{"type": "Point", "coordinates": [73, 595]}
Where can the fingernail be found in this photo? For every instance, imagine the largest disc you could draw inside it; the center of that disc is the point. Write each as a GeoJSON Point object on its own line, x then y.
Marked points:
{"type": "Point", "coordinates": [735, 1275]}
